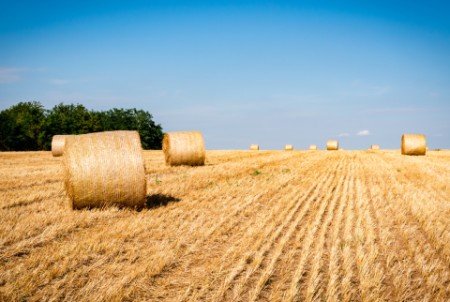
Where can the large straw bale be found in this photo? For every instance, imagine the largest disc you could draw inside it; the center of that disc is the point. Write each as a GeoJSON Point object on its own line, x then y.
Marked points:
{"type": "Point", "coordinates": [58, 143]}
{"type": "Point", "coordinates": [184, 148]}
{"type": "Point", "coordinates": [254, 147]}
{"type": "Point", "coordinates": [105, 169]}
{"type": "Point", "coordinates": [288, 147]}
{"type": "Point", "coordinates": [312, 147]}
{"type": "Point", "coordinates": [332, 145]}
{"type": "Point", "coordinates": [374, 147]}
{"type": "Point", "coordinates": [414, 144]}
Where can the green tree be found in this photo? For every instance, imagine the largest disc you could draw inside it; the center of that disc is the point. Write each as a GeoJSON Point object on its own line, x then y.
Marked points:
{"type": "Point", "coordinates": [132, 119]}
{"type": "Point", "coordinates": [67, 119]}
{"type": "Point", "coordinates": [28, 126]}
{"type": "Point", "coordinates": [20, 126]}
{"type": "Point", "coordinates": [151, 133]}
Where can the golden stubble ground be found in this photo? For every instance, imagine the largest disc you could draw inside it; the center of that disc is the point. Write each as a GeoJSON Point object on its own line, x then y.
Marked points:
{"type": "Point", "coordinates": [247, 226]}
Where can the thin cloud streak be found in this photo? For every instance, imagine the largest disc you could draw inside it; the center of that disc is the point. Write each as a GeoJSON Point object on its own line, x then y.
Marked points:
{"type": "Point", "coordinates": [359, 88]}
{"type": "Point", "coordinates": [10, 75]}
{"type": "Point", "coordinates": [58, 81]}
{"type": "Point", "coordinates": [344, 134]}
{"type": "Point", "coordinates": [363, 133]}
{"type": "Point", "coordinates": [395, 110]}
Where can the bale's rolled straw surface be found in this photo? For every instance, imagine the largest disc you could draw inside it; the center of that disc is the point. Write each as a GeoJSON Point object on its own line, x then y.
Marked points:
{"type": "Point", "coordinates": [414, 144]}
{"type": "Point", "coordinates": [288, 147]}
{"type": "Point", "coordinates": [254, 147]}
{"type": "Point", "coordinates": [332, 145]}
{"type": "Point", "coordinates": [374, 147]}
{"type": "Point", "coordinates": [312, 147]}
{"type": "Point", "coordinates": [104, 169]}
{"type": "Point", "coordinates": [58, 143]}
{"type": "Point", "coordinates": [184, 148]}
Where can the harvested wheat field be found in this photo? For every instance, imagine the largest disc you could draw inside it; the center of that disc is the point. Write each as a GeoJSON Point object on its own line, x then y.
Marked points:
{"type": "Point", "coordinates": [266, 226]}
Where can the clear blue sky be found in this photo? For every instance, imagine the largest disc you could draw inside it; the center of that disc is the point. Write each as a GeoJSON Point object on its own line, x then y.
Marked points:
{"type": "Point", "coordinates": [242, 72]}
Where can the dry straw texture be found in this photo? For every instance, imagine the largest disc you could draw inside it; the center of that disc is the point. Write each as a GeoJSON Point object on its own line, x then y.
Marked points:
{"type": "Point", "coordinates": [58, 143]}
{"type": "Point", "coordinates": [374, 147]}
{"type": "Point", "coordinates": [414, 144]}
{"type": "Point", "coordinates": [105, 169]}
{"type": "Point", "coordinates": [332, 145]}
{"type": "Point", "coordinates": [312, 147]}
{"type": "Point", "coordinates": [249, 226]}
{"type": "Point", "coordinates": [184, 148]}
{"type": "Point", "coordinates": [288, 147]}
{"type": "Point", "coordinates": [254, 147]}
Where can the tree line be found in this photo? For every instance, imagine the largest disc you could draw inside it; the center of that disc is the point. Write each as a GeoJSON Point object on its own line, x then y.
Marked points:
{"type": "Point", "coordinates": [28, 126]}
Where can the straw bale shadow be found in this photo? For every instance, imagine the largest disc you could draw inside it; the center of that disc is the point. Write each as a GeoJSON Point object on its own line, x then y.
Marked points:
{"type": "Point", "coordinates": [159, 200]}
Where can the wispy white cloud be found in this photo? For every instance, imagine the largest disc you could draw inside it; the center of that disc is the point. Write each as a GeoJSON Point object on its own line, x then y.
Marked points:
{"type": "Point", "coordinates": [10, 75]}
{"type": "Point", "coordinates": [344, 134]}
{"type": "Point", "coordinates": [14, 74]}
{"type": "Point", "coordinates": [433, 94]}
{"type": "Point", "coordinates": [359, 88]}
{"type": "Point", "coordinates": [363, 133]}
{"type": "Point", "coordinates": [58, 81]}
{"type": "Point", "coordinates": [395, 110]}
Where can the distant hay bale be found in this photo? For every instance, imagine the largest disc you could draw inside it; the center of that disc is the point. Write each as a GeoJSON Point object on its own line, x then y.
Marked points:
{"type": "Point", "coordinates": [332, 145]}
{"type": "Point", "coordinates": [184, 148]}
{"type": "Point", "coordinates": [312, 147]}
{"type": "Point", "coordinates": [288, 147]}
{"type": "Point", "coordinates": [414, 144]}
{"type": "Point", "coordinates": [105, 169]}
{"type": "Point", "coordinates": [58, 143]}
{"type": "Point", "coordinates": [374, 147]}
{"type": "Point", "coordinates": [254, 147]}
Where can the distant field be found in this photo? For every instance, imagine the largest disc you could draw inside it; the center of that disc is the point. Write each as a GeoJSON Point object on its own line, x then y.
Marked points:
{"type": "Point", "coordinates": [247, 226]}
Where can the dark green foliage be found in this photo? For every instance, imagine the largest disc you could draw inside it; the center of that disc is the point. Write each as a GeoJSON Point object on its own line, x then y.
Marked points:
{"type": "Point", "coordinates": [20, 126]}
{"type": "Point", "coordinates": [126, 119]}
{"type": "Point", "coordinates": [28, 126]}
{"type": "Point", "coordinates": [66, 119]}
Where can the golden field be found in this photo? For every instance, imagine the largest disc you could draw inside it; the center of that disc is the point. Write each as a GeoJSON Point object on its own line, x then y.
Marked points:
{"type": "Point", "coordinates": [247, 226]}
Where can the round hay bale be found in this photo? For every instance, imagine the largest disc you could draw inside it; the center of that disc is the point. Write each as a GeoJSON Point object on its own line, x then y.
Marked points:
{"type": "Point", "coordinates": [184, 148]}
{"type": "Point", "coordinates": [374, 147]}
{"type": "Point", "coordinates": [288, 147]}
{"type": "Point", "coordinates": [105, 169]}
{"type": "Point", "coordinates": [312, 147]}
{"type": "Point", "coordinates": [414, 144]}
{"type": "Point", "coordinates": [58, 143]}
{"type": "Point", "coordinates": [254, 147]}
{"type": "Point", "coordinates": [332, 145]}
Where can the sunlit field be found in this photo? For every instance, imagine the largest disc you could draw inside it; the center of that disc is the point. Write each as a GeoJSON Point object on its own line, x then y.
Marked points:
{"type": "Point", "coordinates": [247, 226]}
